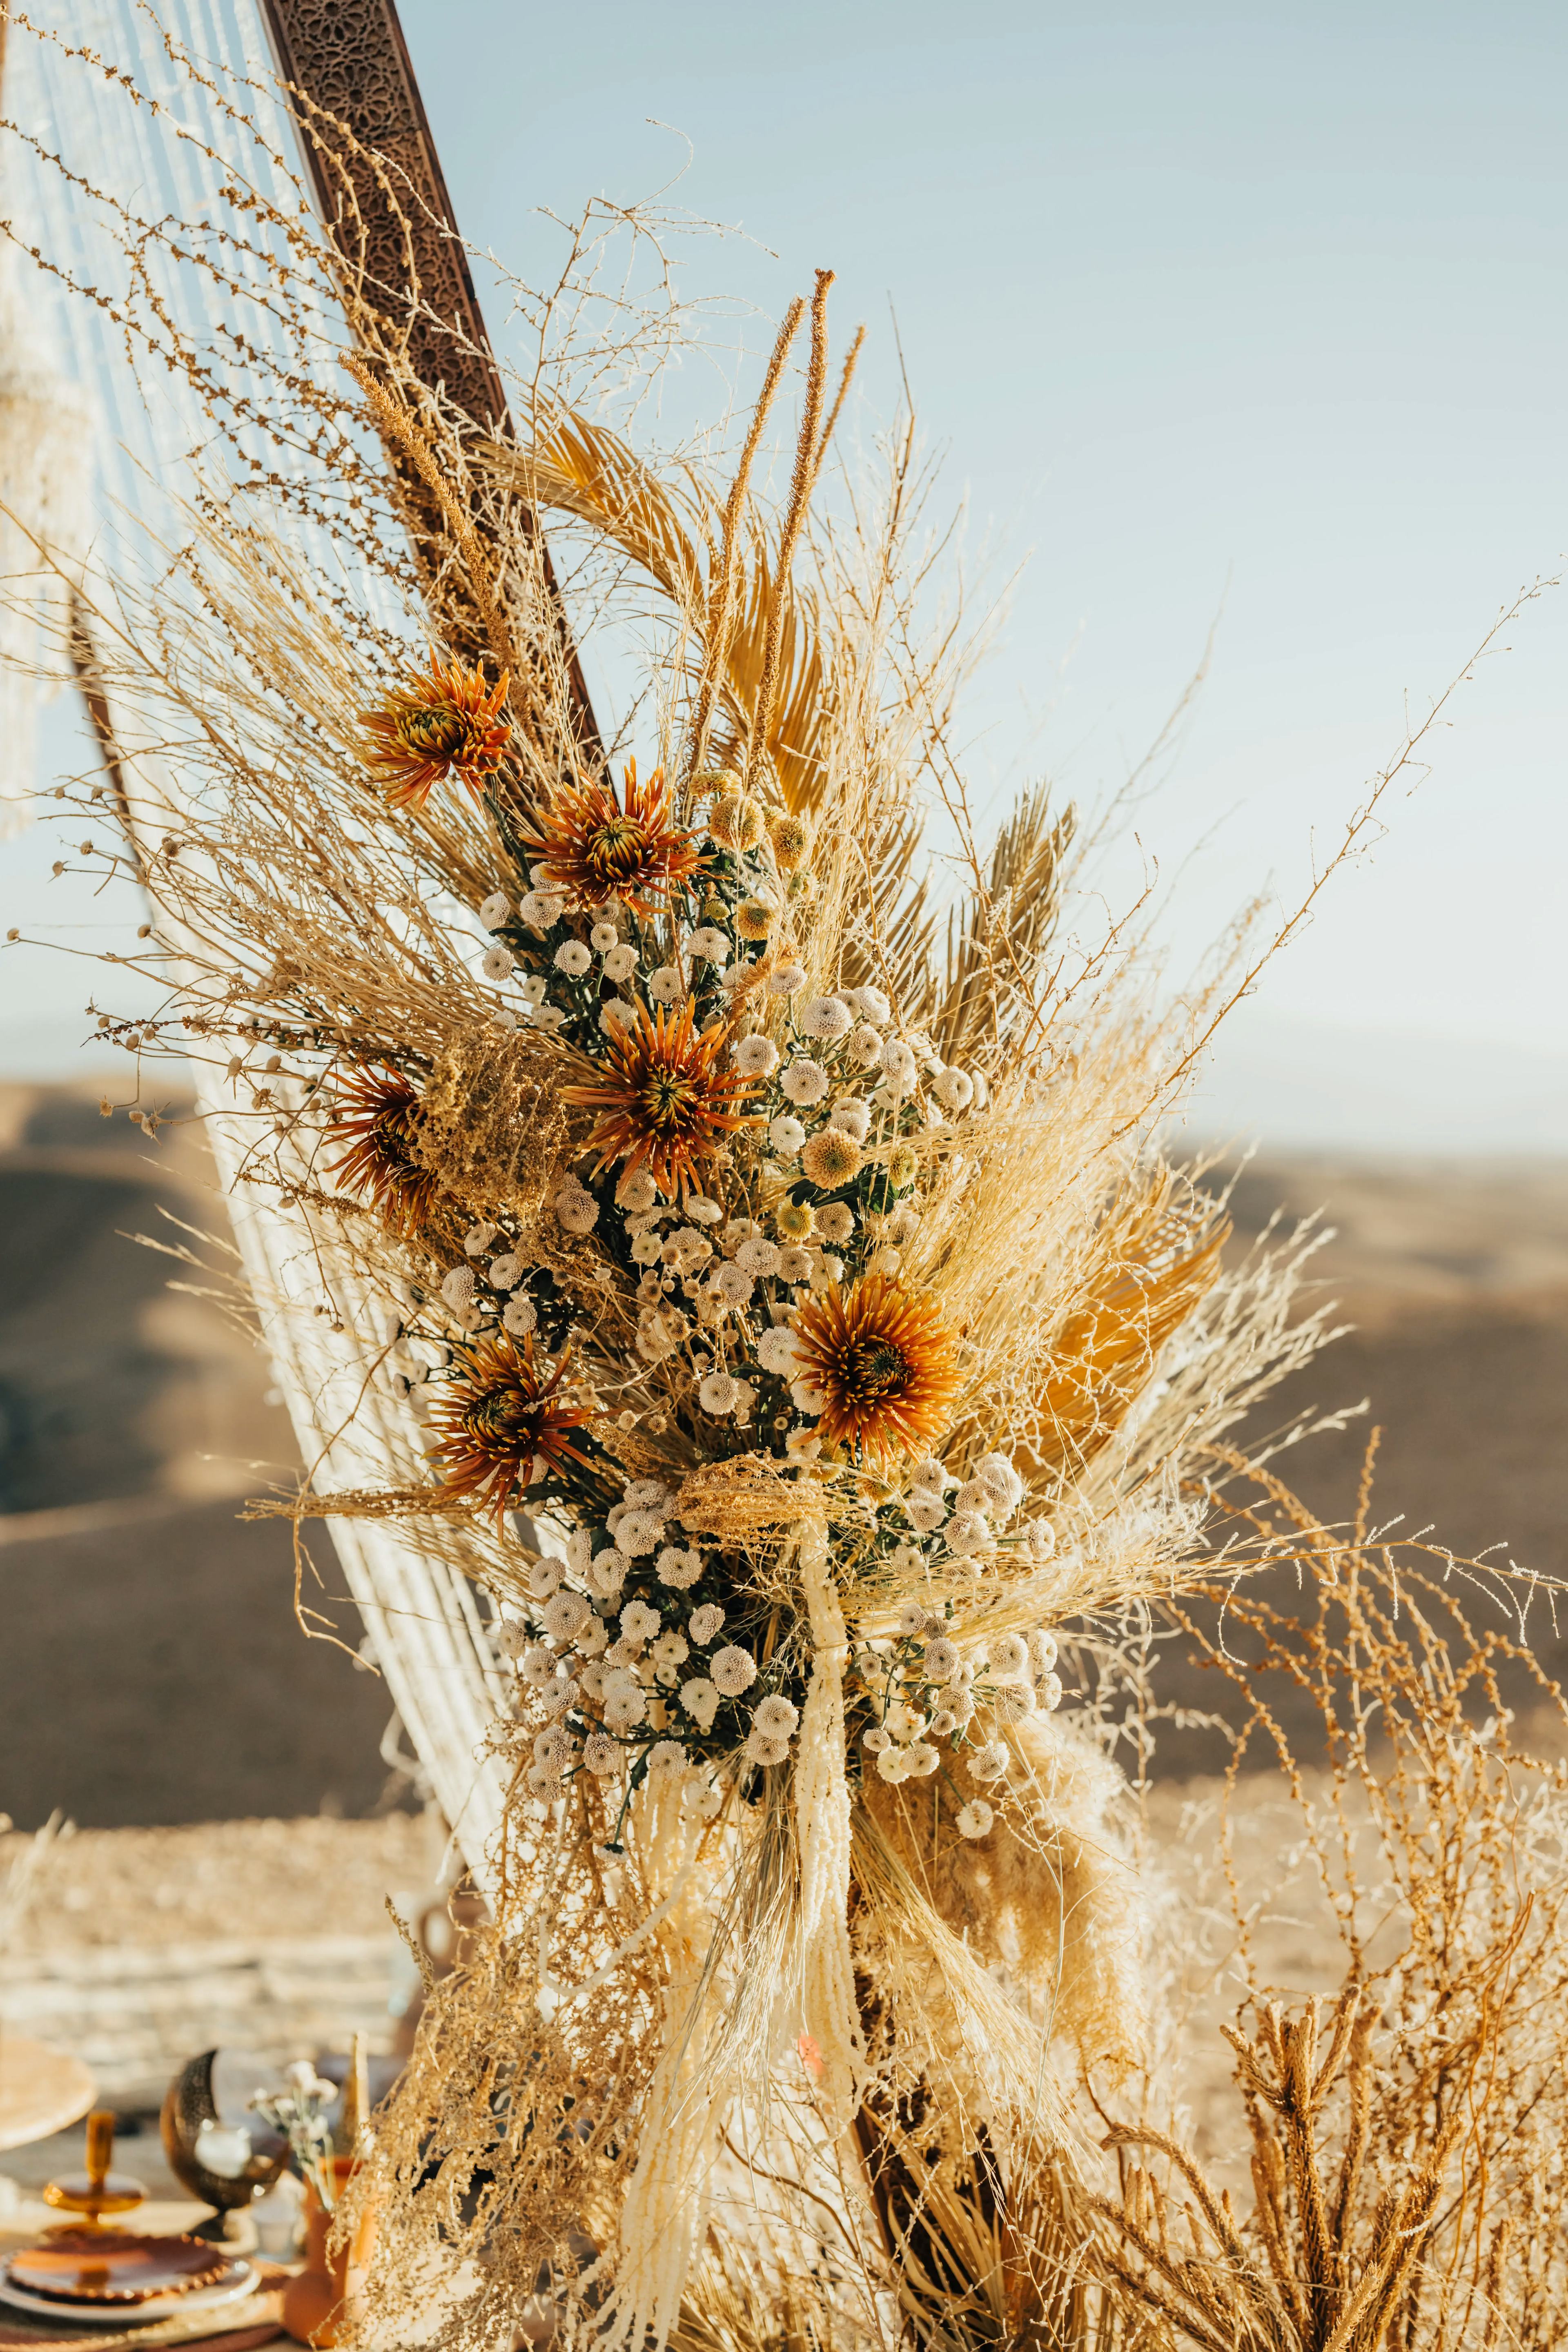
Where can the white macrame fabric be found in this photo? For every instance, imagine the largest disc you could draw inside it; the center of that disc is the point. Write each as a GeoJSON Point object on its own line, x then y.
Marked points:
{"type": "Point", "coordinates": [426, 1631]}
{"type": "Point", "coordinates": [45, 504]}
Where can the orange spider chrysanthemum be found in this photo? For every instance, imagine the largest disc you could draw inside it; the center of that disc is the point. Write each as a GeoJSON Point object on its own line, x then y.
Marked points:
{"type": "Point", "coordinates": [665, 1103]}
{"type": "Point", "coordinates": [884, 1361]}
{"type": "Point", "coordinates": [591, 846]}
{"type": "Point", "coordinates": [378, 1113]}
{"type": "Point", "coordinates": [500, 1414]}
{"type": "Point", "coordinates": [449, 723]}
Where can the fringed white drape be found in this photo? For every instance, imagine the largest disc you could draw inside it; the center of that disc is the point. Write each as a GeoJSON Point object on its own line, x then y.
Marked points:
{"type": "Point", "coordinates": [423, 1618]}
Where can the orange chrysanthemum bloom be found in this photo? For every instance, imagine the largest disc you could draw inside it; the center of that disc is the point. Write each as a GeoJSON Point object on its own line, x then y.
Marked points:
{"type": "Point", "coordinates": [378, 1114]}
{"type": "Point", "coordinates": [592, 847]}
{"type": "Point", "coordinates": [498, 1416]}
{"type": "Point", "coordinates": [884, 1361]}
{"type": "Point", "coordinates": [449, 723]}
{"type": "Point", "coordinates": [664, 1102]}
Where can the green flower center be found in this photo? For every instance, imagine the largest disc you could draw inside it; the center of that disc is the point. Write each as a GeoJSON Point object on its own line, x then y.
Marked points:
{"type": "Point", "coordinates": [872, 1371]}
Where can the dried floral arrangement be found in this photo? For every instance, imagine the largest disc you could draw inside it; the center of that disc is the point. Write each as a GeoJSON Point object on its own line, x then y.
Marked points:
{"type": "Point", "coordinates": [807, 1344]}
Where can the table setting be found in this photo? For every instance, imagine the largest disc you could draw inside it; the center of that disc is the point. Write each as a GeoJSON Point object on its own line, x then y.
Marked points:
{"type": "Point", "coordinates": [95, 2264]}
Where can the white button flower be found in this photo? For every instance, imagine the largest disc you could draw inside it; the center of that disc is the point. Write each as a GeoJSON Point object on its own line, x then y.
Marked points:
{"type": "Point", "coordinates": [758, 1257]}
{"type": "Point", "coordinates": [457, 1287]}
{"type": "Point", "coordinates": [608, 1572]}
{"type": "Point", "coordinates": [760, 1749]}
{"type": "Point", "coordinates": [988, 1763]}
{"type": "Point", "coordinates": [641, 1532]}
{"type": "Point", "coordinates": [506, 1270]}
{"type": "Point", "coordinates": [795, 1266]}
{"type": "Point", "coordinates": [755, 1057]}
{"type": "Point", "coordinates": [941, 1657]}
{"type": "Point", "coordinates": [540, 909]}
{"type": "Point", "coordinates": [869, 1003]}
{"type": "Point", "coordinates": [851, 1116]}
{"type": "Point", "coordinates": [968, 1532]}
{"type": "Point", "coordinates": [827, 1017]}
{"type": "Point", "coordinates": [602, 1756]}
{"type": "Point", "coordinates": [664, 1758]}
{"type": "Point", "coordinates": [575, 1208]}
{"type": "Point", "coordinates": [666, 985]}
{"type": "Point", "coordinates": [775, 1718]}
{"type": "Point", "coordinates": [639, 1622]}
{"type": "Point", "coordinates": [620, 964]}
{"type": "Point", "coordinates": [706, 1623]}
{"type": "Point", "coordinates": [495, 910]}
{"type": "Point", "coordinates": [534, 988]}
{"type": "Point", "coordinates": [573, 957]}
{"type": "Point", "coordinates": [604, 937]}
{"type": "Point", "coordinates": [498, 964]}
{"type": "Point", "coordinates": [519, 1315]}
{"type": "Point", "coordinates": [733, 1284]}
{"type": "Point", "coordinates": [786, 1135]}
{"type": "Point", "coordinates": [678, 1568]}
{"type": "Point", "coordinates": [734, 1670]}
{"type": "Point", "coordinates": [717, 1394]}
{"type": "Point", "coordinates": [804, 1083]}
{"type": "Point", "coordinates": [776, 1350]}
{"type": "Point", "coordinates": [1042, 1654]}
{"type": "Point", "coordinates": [865, 1046]}
{"type": "Point", "coordinates": [565, 1616]}
{"type": "Point", "coordinates": [625, 1704]}
{"type": "Point", "coordinates": [700, 1700]}
{"type": "Point", "coordinates": [786, 980]}
{"type": "Point", "coordinates": [708, 944]}
{"type": "Point", "coordinates": [954, 1089]}
{"type": "Point", "coordinates": [898, 1063]}
{"type": "Point", "coordinates": [996, 1474]}
{"type": "Point", "coordinates": [974, 1819]}
{"type": "Point", "coordinates": [1009, 1654]}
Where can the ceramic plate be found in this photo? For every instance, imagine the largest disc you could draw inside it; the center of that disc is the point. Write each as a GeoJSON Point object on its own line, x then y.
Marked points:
{"type": "Point", "coordinates": [104, 2315]}
{"type": "Point", "coordinates": [77, 2265]}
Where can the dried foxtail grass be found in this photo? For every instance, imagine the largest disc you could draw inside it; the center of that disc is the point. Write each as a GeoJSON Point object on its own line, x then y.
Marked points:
{"type": "Point", "coordinates": [889, 1981]}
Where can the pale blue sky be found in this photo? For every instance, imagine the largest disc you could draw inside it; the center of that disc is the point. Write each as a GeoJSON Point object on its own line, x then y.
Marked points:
{"type": "Point", "coordinates": [1253, 307]}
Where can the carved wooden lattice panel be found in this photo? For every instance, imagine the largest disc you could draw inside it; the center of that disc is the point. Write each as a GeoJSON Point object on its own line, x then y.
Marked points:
{"type": "Point", "coordinates": [349, 57]}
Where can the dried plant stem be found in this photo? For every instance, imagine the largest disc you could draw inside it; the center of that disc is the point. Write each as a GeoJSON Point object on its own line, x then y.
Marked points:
{"type": "Point", "coordinates": [808, 457]}
{"type": "Point", "coordinates": [721, 592]}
